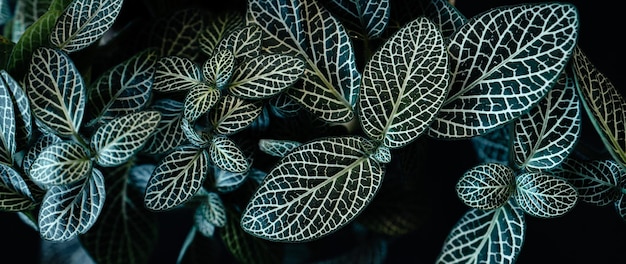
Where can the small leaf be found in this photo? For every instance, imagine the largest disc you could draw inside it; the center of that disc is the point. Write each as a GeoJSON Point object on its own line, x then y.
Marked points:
{"type": "Point", "coordinates": [168, 133]}
{"type": "Point", "coordinates": [444, 14]}
{"type": "Point", "coordinates": [118, 140]}
{"type": "Point", "coordinates": [199, 100]}
{"type": "Point", "coordinates": [486, 186]}
{"type": "Point", "coordinates": [226, 181]}
{"type": "Point", "coordinates": [174, 74]}
{"type": "Point", "coordinates": [277, 148]}
{"type": "Point", "coordinates": [60, 164]}
{"type": "Point", "coordinates": [15, 196]}
{"type": "Point", "coordinates": [227, 156]}
{"type": "Point", "coordinates": [265, 76]}
{"type": "Point", "coordinates": [203, 225]}
{"type": "Point", "coordinates": [198, 138]}
{"type": "Point", "coordinates": [544, 195]}
{"type": "Point", "coordinates": [233, 114]}
{"type": "Point", "coordinates": [213, 209]}
{"type": "Point", "coordinates": [218, 69]}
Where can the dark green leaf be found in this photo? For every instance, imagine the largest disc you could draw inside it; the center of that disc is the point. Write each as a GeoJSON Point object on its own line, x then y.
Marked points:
{"type": "Point", "coordinates": [61, 163]}
{"type": "Point", "coordinates": [265, 76]}
{"type": "Point", "coordinates": [15, 195]}
{"type": "Point", "coordinates": [227, 155]}
{"type": "Point", "coordinates": [199, 100]}
{"type": "Point", "coordinates": [487, 186]}
{"type": "Point", "coordinates": [218, 68]}
{"type": "Point", "coordinates": [168, 134]}
{"type": "Point", "coordinates": [544, 195]}
{"type": "Point", "coordinates": [598, 181]}
{"type": "Point", "coordinates": [233, 114]}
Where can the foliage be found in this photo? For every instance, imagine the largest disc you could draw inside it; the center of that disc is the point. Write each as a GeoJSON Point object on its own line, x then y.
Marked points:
{"type": "Point", "coordinates": [282, 123]}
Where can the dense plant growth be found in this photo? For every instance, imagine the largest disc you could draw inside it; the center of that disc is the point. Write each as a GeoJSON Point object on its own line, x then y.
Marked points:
{"type": "Point", "coordinates": [275, 124]}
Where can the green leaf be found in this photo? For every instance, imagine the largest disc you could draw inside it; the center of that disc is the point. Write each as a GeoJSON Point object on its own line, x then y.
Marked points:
{"type": "Point", "coordinates": [265, 76]}
{"type": "Point", "coordinates": [217, 29]}
{"type": "Point", "coordinates": [325, 183]}
{"type": "Point", "coordinates": [445, 15]}
{"type": "Point", "coordinates": [22, 111]}
{"type": "Point", "coordinates": [177, 34]}
{"type": "Point", "coordinates": [370, 17]}
{"type": "Point", "coordinates": [218, 69]}
{"type": "Point", "coordinates": [503, 62]}
{"type": "Point", "coordinates": [177, 178]}
{"type": "Point", "coordinates": [486, 186]}
{"type": "Point", "coordinates": [598, 182]}
{"type": "Point", "coordinates": [42, 142]}
{"type": "Point", "coordinates": [404, 84]}
{"type": "Point", "coordinates": [26, 13]}
{"type": "Point", "coordinates": [486, 236]}
{"type": "Point", "coordinates": [83, 22]}
{"type": "Point", "coordinates": [168, 133]}
{"type": "Point", "coordinates": [176, 74]}
{"type": "Point", "coordinates": [196, 137]}
{"type": "Point", "coordinates": [233, 114]}
{"type": "Point", "coordinates": [60, 164]}
{"type": "Point", "coordinates": [118, 140]}
{"type": "Point", "coordinates": [199, 100]}
{"type": "Point", "coordinates": [243, 42]}
{"type": "Point", "coordinates": [544, 195]}
{"type": "Point", "coordinates": [330, 85]}
{"type": "Point", "coordinates": [213, 209]}
{"type": "Point", "coordinates": [56, 91]}
{"type": "Point", "coordinates": [70, 210]}
{"type": "Point", "coordinates": [15, 196]}
{"type": "Point", "coordinates": [6, 48]}
{"type": "Point", "coordinates": [7, 123]}
{"type": "Point", "coordinates": [227, 156]}
{"type": "Point", "coordinates": [201, 225]}
{"type": "Point", "coordinates": [123, 89]}
{"type": "Point", "coordinates": [276, 147]}
{"type": "Point", "coordinates": [494, 146]}
{"type": "Point", "coordinates": [547, 135]}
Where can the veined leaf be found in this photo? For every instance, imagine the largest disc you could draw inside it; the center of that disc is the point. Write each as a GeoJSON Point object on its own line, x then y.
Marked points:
{"type": "Point", "coordinates": [7, 123]}
{"type": "Point", "coordinates": [370, 17]}
{"type": "Point", "coordinates": [277, 148]}
{"type": "Point", "coordinates": [325, 183]}
{"type": "Point", "coordinates": [202, 225]}
{"type": "Point", "coordinates": [139, 175]}
{"type": "Point", "coordinates": [604, 105]}
{"type": "Point", "coordinates": [26, 13]}
{"type": "Point", "coordinates": [177, 178]}
{"type": "Point", "coordinates": [218, 68]}
{"type": "Point", "coordinates": [330, 85]}
{"type": "Point", "coordinates": [118, 140]}
{"type": "Point", "coordinates": [233, 114]}
{"type": "Point", "coordinates": [494, 146]}
{"type": "Point", "coordinates": [620, 207]}
{"type": "Point", "coordinates": [404, 84]}
{"type": "Point", "coordinates": [56, 91]}
{"type": "Point", "coordinates": [60, 164]}
{"type": "Point", "coordinates": [227, 156]}
{"type": "Point", "coordinates": [123, 89]}
{"type": "Point", "coordinates": [446, 16]}
{"type": "Point", "coordinates": [199, 100]}
{"type": "Point", "coordinates": [15, 196]}
{"type": "Point", "coordinates": [284, 106]}
{"type": "Point", "coordinates": [196, 137]}
{"type": "Point", "coordinates": [244, 247]}
{"type": "Point", "coordinates": [546, 135]}
{"type": "Point", "coordinates": [176, 74]}
{"type": "Point", "coordinates": [70, 210]}
{"type": "Point", "coordinates": [544, 195]}
{"type": "Point", "coordinates": [177, 34]}
{"type": "Point", "coordinates": [487, 186]}
{"type": "Point", "coordinates": [22, 111]}
{"type": "Point", "coordinates": [226, 181]}
{"type": "Point", "coordinates": [213, 209]}
{"type": "Point", "coordinates": [168, 134]}
{"type": "Point", "coordinates": [243, 42]}
{"type": "Point", "coordinates": [33, 152]}
{"type": "Point", "coordinates": [265, 76]}
{"type": "Point", "coordinates": [486, 236]}
{"type": "Point", "coordinates": [83, 22]}
{"type": "Point", "coordinates": [217, 29]}
{"type": "Point", "coordinates": [504, 61]}
{"type": "Point", "coordinates": [598, 182]}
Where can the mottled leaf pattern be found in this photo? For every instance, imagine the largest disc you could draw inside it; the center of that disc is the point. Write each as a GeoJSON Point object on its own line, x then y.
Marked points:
{"type": "Point", "coordinates": [199, 100]}
{"type": "Point", "coordinates": [233, 114]}
{"type": "Point", "coordinates": [227, 155]}
{"type": "Point", "coordinates": [544, 195]}
{"type": "Point", "coordinates": [276, 147]}
{"type": "Point", "coordinates": [404, 85]}
{"type": "Point", "coordinates": [84, 22]}
{"type": "Point", "coordinates": [174, 74]}
{"type": "Point", "coordinates": [168, 133]}
{"type": "Point", "coordinates": [487, 186]}
{"type": "Point", "coordinates": [118, 140]}
{"type": "Point", "coordinates": [548, 133]}
{"type": "Point", "coordinates": [503, 62]}
{"type": "Point", "coordinates": [14, 193]}
{"type": "Point", "coordinates": [244, 247]}
{"type": "Point", "coordinates": [26, 13]}
{"type": "Point", "coordinates": [323, 184]}
{"type": "Point", "coordinates": [61, 163]}
{"type": "Point", "coordinates": [202, 224]}
{"type": "Point", "coordinates": [486, 236]}
{"type": "Point", "coordinates": [265, 76]}
{"type": "Point", "coordinates": [494, 146]}
{"type": "Point", "coordinates": [56, 91]}
{"type": "Point", "coordinates": [371, 17]}
{"type": "Point", "coordinates": [331, 81]}
{"type": "Point", "coordinates": [597, 181]}
{"type": "Point", "coordinates": [177, 178]}
{"type": "Point", "coordinates": [198, 138]}
{"type": "Point", "coordinates": [218, 68]}
{"type": "Point", "coordinates": [70, 210]}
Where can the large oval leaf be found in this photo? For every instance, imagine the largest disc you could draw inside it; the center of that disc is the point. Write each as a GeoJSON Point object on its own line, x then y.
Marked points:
{"type": "Point", "coordinates": [84, 22]}
{"type": "Point", "coordinates": [504, 61]}
{"type": "Point", "coordinates": [265, 76]}
{"type": "Point", "coordinates": [199, 100]}
{"type": "Point", "coordinates": [598, 182]}
{"type": "Point", "coordinates": [331, 81]}
{"type": "Point", "coordinates": [325, 183]}
{"type": "Point", "coordinates": [177, 178]}
{"type": "Point", "coordinates": [61, 163]}
{"type": "Point", "coordinates": [56, 91]}
{"type": "Point", "coordinates": [118, 140]}
{"type": "Point", "coordinates": [487, 186]}
{"type": "Point", "coordinates": [227, 156]}
{"type": "Point", "coordinates": [70, 210]}
{"type": "Point", "coordinates": [404, 84]}
{"type": "Point", "coordinates": [544, 195]}
{"type": "Point", "coordinates": [486, 236]}
{"type": "Point", "coordinates": [15, 196]}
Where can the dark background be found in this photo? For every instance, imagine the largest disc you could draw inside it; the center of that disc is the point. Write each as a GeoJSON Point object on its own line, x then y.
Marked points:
{"type": "Point", "coordinates": [587, 234]}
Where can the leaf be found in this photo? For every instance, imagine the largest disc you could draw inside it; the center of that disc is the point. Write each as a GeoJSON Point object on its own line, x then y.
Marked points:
{"type": "Point", "coordinates": [196, 137]}
{"type": "Point", "coordinates": [168, 133]}
{"type": "Point", "coordinates": [404, 84]}
{"type": "Point", "coordinates": [199, 100]}
{"type": "Point", "coordinates": [265, 76]}
{"type": "Point", "coordinates": [330, 85]}
{"type": "Point", "coordinates": [544, 195]}
{"type": "Point", "coordinates": [486, 186]}
{"type": "Point", "coordinates": [201, 224]}
{"type": "Point", "coordinates": [26, 13]}
{"type": "Point", "coordinates": [227, 156]}
{"type": "Point", "coordinates": [226, 181]}
{"type": "Point", "coordinates": [177, 34]}
{"type": "Point", "coordinates": [620, 207]}
{"type": "Point", "coordinates": [486, 236]}
{"type": "Point", "coordinates": [244, 247]}
{"type": "Point", "coordinates": [217, 29]}
{"type": "Point", "coordinates": [446, 16]}
{"type": "Point", "coordinates": [174, 74]}
{"type": "Point", "coordinates": [370, 17]}
{"type": "Point", "coordinates": [213, 209]}
{"type": "Point", "coordinates": [244, 42]}
{"type": "Point", "coordinates": [83, 22]}
{"type": "Point", "coordinates": [7, 123]}
{"type": "Point", "coordinates": [177, 178]}
{"type": "Point", "coordinates": [504, 61]}
{"type": "Point", "coordinates": [15, 196]}
{"type": "Point", "coordinates": [70, 210]}
{"type": "Point", "coordinates": [22, 111]}
{"type": "Point", "coordinates": [232, 114]}
{"type": "Point", "coordinates": [60, 164]}
{"type": "Point", "coordinates": [56, 91]}
{"type": "Point", "coordinates": [276, 147]}
{"type": "Point", "coordinates": [549, 132]}
{"type": "Point", "coordinates": [604, 105]}
{"type": "Point", "coordinates": [494, 146]}
{"type": "Point", "coordinates": [325, 183]}
{"type": "Point", "coordinates": [597, 181]}
{"type": "Point", "coordinates": [123, 89]}
{"type": "Point", "coordinates": [218, 69]}
{"type": "Point", "coordinates": [42, 142]}
{"type": "Point", "coordinates": [118, 140]}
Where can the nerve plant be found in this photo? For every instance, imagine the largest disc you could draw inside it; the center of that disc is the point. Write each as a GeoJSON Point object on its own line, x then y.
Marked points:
{"type": "Point", "coordinates": [284, 121]}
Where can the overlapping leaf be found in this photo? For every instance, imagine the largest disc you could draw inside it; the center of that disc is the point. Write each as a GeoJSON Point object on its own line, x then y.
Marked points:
{"type": "Point", "coordinates": [177, 34]}
{"type": "Point", "coordinates": [21, 110]}
{"type": "Point", "coordinates": [371, 17]}
{"type": "Point", "coordinates": [168, 133]}
{"type": "Point", "coordinates": [61, 163]}
{"type": "Point", "coordinates": [504, 61]}
{"type": "Point", "coordinates": [217, 29]}
{"type": "Point", "coordinates": [445, 15]}
{"type": "Point", "coordinates": [118, 140]}
{"type": "Point", "coordinates": [323, 184]}
{"type": "Point", "coordinates": [265, 76]}
{"type": "Point", "coordinates": [486, 186]}
{"type": "Point", "coordinates": [494, 146]}
{"type": "Point", "coordinates": [244, 247]}
{"type": "Point", "coordinates": [277, 148]}
{"type": "Point", "coordinates": [486, 236]}
{"type": "Point", "coordinates": [56, 91]}
{"type": "Point", "coordinates": [544, 195]}
{"type": "Point", "coordinates": [26, 13]}
{"type": "Point", "coordinates": [218, 68]}
{"type": "Point", "coordinates": [176, 74]}
{"type": "Point", "coordinates": [243, 42]}
{"type": "Point", "coordinates": [202, 225]}
{"type": "Point", "coordinates": [233, 114]}
{"type": "Point", "coordinates": [226, 181]}
{"type": "Point", "coordinates": [196, 137]}
{"type": "Point", "coordinates": [177, 178]}
{"type": "Point", "coordinates": [227, 155]}
{"type": "Point", "coordinates": [404, 85]}
{"type": "Point", "coordinates": [15, 195]}
{"type": "Point", "coordinates": [597, 181]}
{"type": "Point", "coordinates": [213, 209]}
{"type": "Point", "coordinates": [42, 142]}
{"type": "Point", "coordinates": [330, 85]}
{"type": "Point", "coordinates": [83, 22]}
{"type": "Point", "coordinates": [199, 100]}
{"type": "Point", "coordinates": [70, 210]}
{"type": "Point", "coordinates": [7, 123]}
